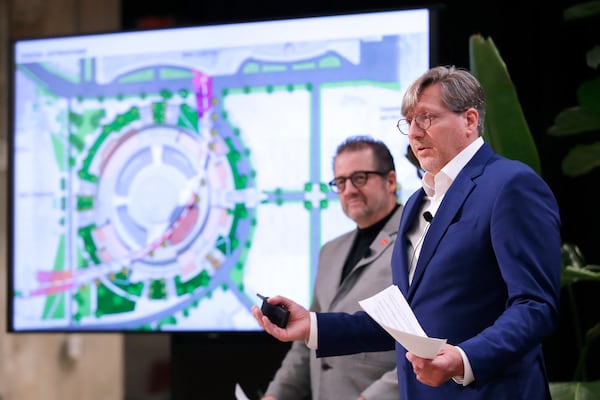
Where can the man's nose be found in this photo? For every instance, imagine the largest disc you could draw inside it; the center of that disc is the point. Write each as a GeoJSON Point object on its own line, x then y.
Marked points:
{"type": "Point", "coordinates": [414, 130]}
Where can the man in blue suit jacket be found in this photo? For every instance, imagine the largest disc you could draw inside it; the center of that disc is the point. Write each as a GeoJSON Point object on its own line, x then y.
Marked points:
{"type": "Point", "coordinates": [478, 260]}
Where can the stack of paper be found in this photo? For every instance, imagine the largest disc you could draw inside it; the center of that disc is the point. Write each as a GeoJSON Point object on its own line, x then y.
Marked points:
{"type": "Point", "coordinates": [390, 310]}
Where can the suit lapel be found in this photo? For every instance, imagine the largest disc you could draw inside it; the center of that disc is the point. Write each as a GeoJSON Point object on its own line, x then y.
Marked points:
{"type": "Point", "coordinates": [451, 204]}
{"type": "Point", "coordinates": [333, 267]}
{"type": "Point", "coordinates": [400, 267]}
{"type": "Point", "coordinates": [382, 241]}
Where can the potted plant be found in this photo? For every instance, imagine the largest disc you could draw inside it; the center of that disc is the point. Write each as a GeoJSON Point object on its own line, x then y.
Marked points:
{"type": "Point", "coordinates": [506, 130]}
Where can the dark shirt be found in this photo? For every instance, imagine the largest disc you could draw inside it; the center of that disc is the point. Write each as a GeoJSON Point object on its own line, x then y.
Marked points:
{"type": "Point", "coordinates": [362, 241]}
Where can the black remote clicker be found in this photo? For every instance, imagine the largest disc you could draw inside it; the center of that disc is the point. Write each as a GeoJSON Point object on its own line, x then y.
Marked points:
{"type": "Point", "coordinates": [276, 313]}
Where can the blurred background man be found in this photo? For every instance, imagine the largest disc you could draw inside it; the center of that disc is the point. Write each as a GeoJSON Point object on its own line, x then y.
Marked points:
{"type": "Point", "coordinates": [352, 267]}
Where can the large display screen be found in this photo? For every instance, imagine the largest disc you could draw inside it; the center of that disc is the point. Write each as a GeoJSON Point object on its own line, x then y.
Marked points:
{"type": "Point", "coordinates": [159, 179]}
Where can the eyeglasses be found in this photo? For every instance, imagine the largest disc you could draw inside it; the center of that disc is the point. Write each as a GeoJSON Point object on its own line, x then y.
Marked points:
{"type": "Point", "coordinates": [358, 179]}
{"type": "Point", "coordinates": [423, 121]}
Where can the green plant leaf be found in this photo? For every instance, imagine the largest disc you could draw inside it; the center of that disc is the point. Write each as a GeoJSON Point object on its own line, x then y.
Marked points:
{"type": "Point", "coordinates": [593, 332]}
{"type": "Point", "coordinates": [506, 129]}
{"type": "Point", "coordinates": [581, 159]}
{"type": "Point", "coordinates": [587, 94]}
{"type": "Point", "coordinates": [577, 119]}
{"type": "Point", "coordinates": [593, 57]}
{"type": "Point", "coordinates": [571, 274]}
{"type": "Point", "coordinates": [583, 10]}
{"type": "Point", "coordinates": [575, 390]}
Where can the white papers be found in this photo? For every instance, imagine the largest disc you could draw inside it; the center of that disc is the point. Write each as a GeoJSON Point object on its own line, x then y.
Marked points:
{"type": "Point", "coordinates": [239, 393]}
{"type": "Point", "coordinates": [390, 310]}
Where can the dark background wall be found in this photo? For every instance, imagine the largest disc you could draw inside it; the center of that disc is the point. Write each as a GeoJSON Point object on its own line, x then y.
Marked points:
{"type": "Point", "coordinates": [545, 56]}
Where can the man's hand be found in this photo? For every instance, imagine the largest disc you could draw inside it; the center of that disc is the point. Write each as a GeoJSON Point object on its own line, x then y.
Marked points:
{"type": "Point", "coordinates": [298, 326]}
{"type": "Point", "coordinates": [446, 365]}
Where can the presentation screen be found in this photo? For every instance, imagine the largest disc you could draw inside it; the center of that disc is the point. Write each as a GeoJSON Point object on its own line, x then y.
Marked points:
{"type": "Point", "coordinates": [160, 179]}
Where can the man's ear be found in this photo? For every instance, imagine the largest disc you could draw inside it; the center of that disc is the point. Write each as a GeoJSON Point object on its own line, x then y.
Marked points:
{"type": "Point", "coordinates": [472, 119]}
{"type": "Point", "coordinates": [392, 179]}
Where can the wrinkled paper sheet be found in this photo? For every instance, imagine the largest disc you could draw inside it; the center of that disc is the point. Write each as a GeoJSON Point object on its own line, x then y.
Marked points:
{"type": "Point", "coordinates": [390, 310]}
{"type": "Point", "coordinates": [239, 393]}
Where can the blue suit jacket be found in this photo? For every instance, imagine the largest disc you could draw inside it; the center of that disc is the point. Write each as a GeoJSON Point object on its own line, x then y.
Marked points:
{"type": "Point", "coordinates": [487, 279]}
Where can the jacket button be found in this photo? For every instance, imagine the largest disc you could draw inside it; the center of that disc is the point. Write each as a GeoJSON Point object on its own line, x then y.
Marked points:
{"type": "Point", "coordinates": [325, 366]}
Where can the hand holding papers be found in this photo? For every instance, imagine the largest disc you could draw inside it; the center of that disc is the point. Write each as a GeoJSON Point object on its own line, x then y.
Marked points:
{"type": "Point", "coordinates": [390, 310]}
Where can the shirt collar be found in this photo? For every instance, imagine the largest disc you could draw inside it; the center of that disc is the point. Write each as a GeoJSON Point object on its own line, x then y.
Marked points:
{"type": "Point", "coordinates": [437, 185]}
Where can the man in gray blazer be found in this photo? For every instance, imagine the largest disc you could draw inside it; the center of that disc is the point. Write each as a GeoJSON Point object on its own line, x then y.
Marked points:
{"type": "Point", "coordinates": [352, 267]}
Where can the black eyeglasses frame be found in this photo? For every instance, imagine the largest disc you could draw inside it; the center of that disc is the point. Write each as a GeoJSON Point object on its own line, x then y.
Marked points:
{"type": "Point", "coordinates": [338, 184]}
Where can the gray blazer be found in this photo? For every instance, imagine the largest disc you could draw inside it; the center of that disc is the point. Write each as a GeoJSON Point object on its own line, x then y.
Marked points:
{"type": "Point", "coordinates": [346, 377]}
